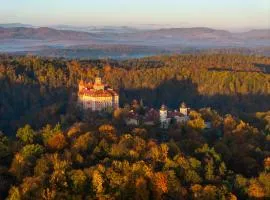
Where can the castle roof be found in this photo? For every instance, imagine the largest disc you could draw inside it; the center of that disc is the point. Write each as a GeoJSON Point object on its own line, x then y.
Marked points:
{"type": "Point", "coordinates": [151, 115]}
{"type": "Point", "coordinates": [98, 93]}
{"type": "Point", "coordinates": [96, 90]}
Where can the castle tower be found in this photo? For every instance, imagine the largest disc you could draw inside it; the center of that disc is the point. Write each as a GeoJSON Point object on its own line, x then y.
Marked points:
{"type": "Point", "coordinates": [183, 109]}
{"type": "Point", "coordinates": [98, 84]}
{"type": "Point", "coordinates": [163, 113]}
{"type": "Point", "coordinates": [163, 117]}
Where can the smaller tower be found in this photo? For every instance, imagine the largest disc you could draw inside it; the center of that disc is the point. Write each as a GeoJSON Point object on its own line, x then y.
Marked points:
{"type": "Point", "coordinates": [163, 113]}
{"type": "Point", "coordinates": [163, 117]}
{"type": "Point", "coordinates": [98, 80]}
{"type": "Point", "coordinates": [183, 109]}
{"type": "Point", "coordinates": [98, 84]}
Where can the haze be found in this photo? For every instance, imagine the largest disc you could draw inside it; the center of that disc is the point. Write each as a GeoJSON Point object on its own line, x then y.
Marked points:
{"type": "Point", "coordinates": [230, 14]}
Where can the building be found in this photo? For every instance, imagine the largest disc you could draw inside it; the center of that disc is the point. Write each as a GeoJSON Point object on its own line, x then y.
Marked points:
{"type": "Point", "coordinates": [166, 117]}
{"type": "Point", "coordinates": [97, 96]}
{"type": "Point", "coordinates": [151, 117]}
{"type": "Point", "coordinates": [163, 117]}
{"type": "Point", "coordinates": [178, 117]}
{"type": "Point", "coordinates": [181, 119]}
{"type": "Point", "coordinates": [183, 109]}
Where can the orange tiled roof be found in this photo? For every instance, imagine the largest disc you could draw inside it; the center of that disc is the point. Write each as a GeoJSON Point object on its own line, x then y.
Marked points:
{"type": "Point", "coordinates": [98, 93]}
{"type": "Point", "coordinates": [151, 115]}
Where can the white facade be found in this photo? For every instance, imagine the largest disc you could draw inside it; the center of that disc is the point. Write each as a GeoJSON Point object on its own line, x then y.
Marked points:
{"type": "Point", "coordinates": [98, 103]}
{"type": "Point", "coordinates": [183, 109]}
{"type": "Point", "coordinates": [182, 119]}
{"type": "Point", "coordinates": [97, 97]}
{"type": "Point", "coordinates": [163, 113]}
{"type": "Point", "coordinates": [163, 117]}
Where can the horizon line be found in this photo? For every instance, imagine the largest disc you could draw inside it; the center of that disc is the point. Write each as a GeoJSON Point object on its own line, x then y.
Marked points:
{"type": "Point", "coordinates": [138, 26]}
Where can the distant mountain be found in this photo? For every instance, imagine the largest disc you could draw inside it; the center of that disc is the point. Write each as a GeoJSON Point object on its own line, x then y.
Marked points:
{"type": "Point", "coordinates": [44, 33]}
{"type": "Point", "coordinates": [202, 33]}
{"type": "Point", "coordinates": [15, 25]}
{"type": "Point", "coordinates": [192, 32]}
{"type": "Point", "coordinates": [257, 34]}
{"type": "Point", "coordinates": [23, 39]}
{"type": "Point", "coordinates": [184, 33]}
{"type": "Point", "coordinates": [97, 29]}
{"type": "Point", "coordinates": [62, 32]}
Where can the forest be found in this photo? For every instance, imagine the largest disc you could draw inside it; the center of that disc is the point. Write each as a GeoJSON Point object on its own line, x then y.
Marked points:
{"type": "Point", "coordinates": [100, 158]}
{"type": "Point", "coordinates": [49, 149]}
{"type": "Point", "coordinates": [38, 90]}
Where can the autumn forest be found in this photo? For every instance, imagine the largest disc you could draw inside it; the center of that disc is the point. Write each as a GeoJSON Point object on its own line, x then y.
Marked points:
{"type": "Point", "coordinates": [50, 149]}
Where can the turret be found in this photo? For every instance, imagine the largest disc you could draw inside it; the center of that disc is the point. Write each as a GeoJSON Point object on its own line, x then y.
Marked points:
{"type": "Point", "coordinates": [98, 84]}
{"type": "Point", "coordinates": [183, 109]}
{"type": "Point", "coordinates": [163, 113]}
{"type": "Point", "coordinates": [97, 80]}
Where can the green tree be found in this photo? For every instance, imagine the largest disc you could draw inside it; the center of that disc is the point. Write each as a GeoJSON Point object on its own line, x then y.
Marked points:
{"type": "Point", "coordinates": [26, 134]}
{"type": "Point", "coordinates": [31, 150]}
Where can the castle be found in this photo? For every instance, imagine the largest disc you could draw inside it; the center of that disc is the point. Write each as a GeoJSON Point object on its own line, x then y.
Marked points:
{"type": "Point", "coordinates": [97, 96]}
{"type": "Point", "coordinates": [166, 116]}
{"type": "Point", "coordinates": [163, 116]}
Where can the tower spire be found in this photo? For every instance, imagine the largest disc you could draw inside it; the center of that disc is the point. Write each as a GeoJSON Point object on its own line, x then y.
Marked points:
{"type": "Point", "coordinates": [98, 84]}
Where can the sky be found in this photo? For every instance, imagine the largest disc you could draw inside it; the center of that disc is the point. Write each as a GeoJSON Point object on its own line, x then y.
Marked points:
{"type": "Point", "coordinates": [222, 14]}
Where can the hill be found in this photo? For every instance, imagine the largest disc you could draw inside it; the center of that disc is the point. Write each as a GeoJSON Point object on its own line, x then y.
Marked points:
{"type": "Point", "coordinates": [43, 33]}
{"type": "Point", "coordinates": [61, 152]}
{"type": "Point", "coordinates": [257, 34]}
{"type": "Point", "coordinates": [200, 80]}
{"type": "Point", "coordinates": [197, 33]}
{"type": "Point", "coordinates": [16, 25]}
{"type": "Point", "coordinates": [69, 43]}
{"type": "Point", "coordinates": [72, 43]}
{"type": "Point", "coordinates": [185, 33]}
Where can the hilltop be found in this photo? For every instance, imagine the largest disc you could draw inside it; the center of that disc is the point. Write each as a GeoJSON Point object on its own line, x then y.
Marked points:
{"type": "Point", "coordinates": [60, 39]}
